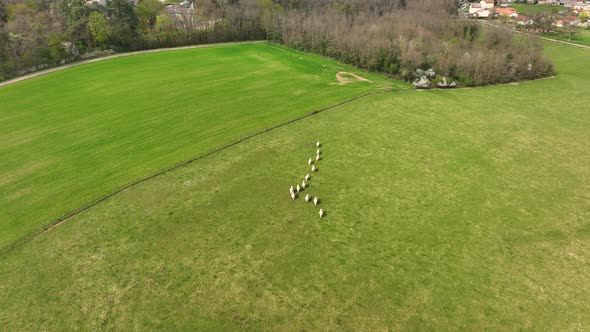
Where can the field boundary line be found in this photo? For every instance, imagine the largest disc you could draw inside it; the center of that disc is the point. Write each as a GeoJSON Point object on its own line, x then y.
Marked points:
{"type": "Point", "coordinates": [67, 216]}
{"type": "Point", "coordinates": [120, 55]}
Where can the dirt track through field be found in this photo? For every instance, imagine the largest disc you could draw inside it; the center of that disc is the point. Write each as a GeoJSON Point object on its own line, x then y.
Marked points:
{"type": "Point", "coordinates": [119, 55]}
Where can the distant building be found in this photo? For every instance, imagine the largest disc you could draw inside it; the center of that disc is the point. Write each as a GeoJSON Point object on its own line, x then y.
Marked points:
{"type": "Point", "coordinates": [578, 5]}
{"type": "Point", "coordinates": [183, 14]}
{"type": "Point", "coordinates": [183, 8]}
{"type": "Point", "coordinates": [487, 4]}
{"type": "Point", "coordinates": [507, 12]}
{"type": "Point", "coordinates": [481, 9]}
{"type": "Point", "coordinates": [567, 21]}
{"type": "Point", "coordinates": [524, 20]}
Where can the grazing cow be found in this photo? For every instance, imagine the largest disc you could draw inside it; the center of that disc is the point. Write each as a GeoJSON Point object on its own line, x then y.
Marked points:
{"type": "Point", "coordinates": [303, 185]}
{"type": "Point", "coordinates": [313, 168]}
{"type": "Point", "coordinates": [316, 201]}
{"type": "Point", "coordinates": [318, 151]}
{"type": "Point", "coordinates": [291, 190]}
{"type": "Point", "coordinates": [318, 144]}
{"type": "Point", "coordinates": [307, 177]}
{"type": "Point", "coordinates": [307, 198]}
{"type": "Point", "coordinates": [321, 213]}
{"type": "Point", "coordinates": [310, 161]}
{"type": "Point", "coordinates": [317, 157]}
{"type": "Point", "coordinates": [298, 189]}
{"type": "Point", "coordinates": [293, 196]}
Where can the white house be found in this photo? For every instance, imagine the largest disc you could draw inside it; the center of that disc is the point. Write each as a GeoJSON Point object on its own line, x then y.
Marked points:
{"type": "Point", "coordinates": [481, 9]}
{"type": "Point", "coordinates": [487, 4]}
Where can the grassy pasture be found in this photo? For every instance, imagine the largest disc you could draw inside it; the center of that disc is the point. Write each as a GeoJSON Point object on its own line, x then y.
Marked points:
{"type": "Point", "coordinates": [447, 210]}
{"type": "Point", "coordinates": [528, 9]}
{"type": "Point", "coordinates": [582, 37]}
{"type": "Point", "coordinates": [71, 137]}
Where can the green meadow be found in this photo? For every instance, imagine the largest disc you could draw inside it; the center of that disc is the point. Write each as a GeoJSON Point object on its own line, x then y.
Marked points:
{"type": "Point", "coordinates": [529, 9]}
{"type": "Point", "coordinates": [581, 37]}
{"type": "Point", "coordinates": [72, 137]}
{"type": "Point", "coordinates": [463, 209]}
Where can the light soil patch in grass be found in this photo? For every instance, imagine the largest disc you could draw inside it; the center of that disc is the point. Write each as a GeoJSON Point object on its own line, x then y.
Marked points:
{"type": "Point", "coordinates": [346, 78]}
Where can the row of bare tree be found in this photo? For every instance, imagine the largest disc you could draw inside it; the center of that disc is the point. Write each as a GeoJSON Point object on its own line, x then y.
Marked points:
{"type": "Point", "coordinates": [398, 40]}
{"type": "Point", "coordinates": [395, 37]}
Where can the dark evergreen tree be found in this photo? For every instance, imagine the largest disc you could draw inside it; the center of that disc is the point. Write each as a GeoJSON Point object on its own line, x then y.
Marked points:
{"type": "Point", "coordinates": [3, 13]}
{"type": "Point", "coordinates": [121, 12]}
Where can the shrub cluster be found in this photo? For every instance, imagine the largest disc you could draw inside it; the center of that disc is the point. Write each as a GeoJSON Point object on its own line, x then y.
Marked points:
{"type": "Point", "coordinates": [421, 35]}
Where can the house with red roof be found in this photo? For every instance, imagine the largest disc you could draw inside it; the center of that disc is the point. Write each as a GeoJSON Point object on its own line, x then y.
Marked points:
{"type": "Point", "coordinates": [507, 12]}
{"type": "Point", "coordinates": [481, 9]}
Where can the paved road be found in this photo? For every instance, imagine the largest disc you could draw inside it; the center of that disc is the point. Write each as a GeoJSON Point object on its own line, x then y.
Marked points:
{"type": "Point", "coordinates": [79, 63]}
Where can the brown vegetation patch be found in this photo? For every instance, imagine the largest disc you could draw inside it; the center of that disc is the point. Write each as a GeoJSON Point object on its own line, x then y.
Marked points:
{"type": "Point", "coordinates": [345, 78]}
{"type": "Point", "coordinates": [23, 172]}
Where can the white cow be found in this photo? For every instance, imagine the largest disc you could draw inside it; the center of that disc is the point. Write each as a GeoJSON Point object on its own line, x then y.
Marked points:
{"type": "Point", "coordinates": [307, 177]}
{"type": "Point", "coordinates": [298, 188]}
{"type": "Point", "coordinates": [310, 161]}
{"type": "Point", "coordinates": [321, 213]}
{"type": "Point", "coordinates": [293, 196]}
{"type": "Point", "coordinates": [307, 198]}
{"type": "Point", "coordinates": [315, 201]}
{"type": "Point", "coordinates": [318, 144]}
{"type": "Point", "coordinates": [303, 185]}
{"type": "Point", "coordinates": [313, 168]}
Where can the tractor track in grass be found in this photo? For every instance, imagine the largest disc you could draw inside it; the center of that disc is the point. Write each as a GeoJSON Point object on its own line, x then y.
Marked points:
{"type": "Point", "coordinates": [68, 216]}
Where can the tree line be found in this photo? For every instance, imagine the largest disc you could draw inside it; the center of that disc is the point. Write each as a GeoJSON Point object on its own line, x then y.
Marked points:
{"type": "Point", "coordinates": [37, 33]}
{"type": "Point", "coordinates": [400, 38]}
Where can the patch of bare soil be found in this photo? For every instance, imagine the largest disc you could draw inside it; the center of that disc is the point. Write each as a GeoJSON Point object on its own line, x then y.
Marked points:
{"type": "Point", "coordinates": [346, 78]}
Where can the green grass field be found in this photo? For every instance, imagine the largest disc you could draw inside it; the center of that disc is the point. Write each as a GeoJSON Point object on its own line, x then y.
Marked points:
{"type": "Point", "coordinates": [528, 9]}
{"type": "Point", "coordinates": [74, 136]}
{"type": "Point", "coordinates": [582, 37]}
{"type": "Point", "coordinates": [447, 210]}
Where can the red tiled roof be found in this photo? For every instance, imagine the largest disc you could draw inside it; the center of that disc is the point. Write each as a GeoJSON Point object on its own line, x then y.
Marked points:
{"type": "Point", "coordinates": [506, 11]}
